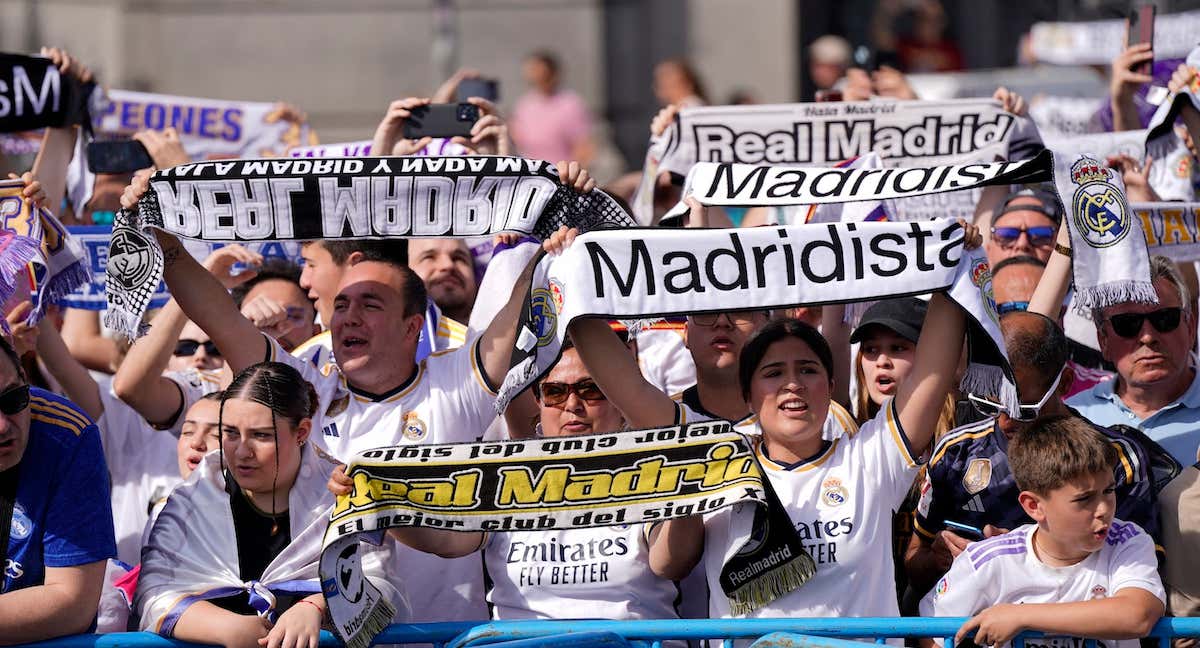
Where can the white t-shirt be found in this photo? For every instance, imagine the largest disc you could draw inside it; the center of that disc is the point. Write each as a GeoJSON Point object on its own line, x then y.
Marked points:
{"type": "Point", "coordinates": [841, 504]}
{"type": "Point", "coordinates": [664, 359]}
{"type": "Point", "coordinates": [142, 465]}
{"type": "Point", "coordinates": [600, 573]}
{"type": "Point", "coordinates": [447, 400]}
{"type": "Point", "coordinates": [1005, 569]}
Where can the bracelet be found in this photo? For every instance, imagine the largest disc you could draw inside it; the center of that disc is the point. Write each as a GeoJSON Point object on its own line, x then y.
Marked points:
{"type": "Point", "coordinates": [319, 608]}
{"type": "Point", "coordinates": [1062, 249]}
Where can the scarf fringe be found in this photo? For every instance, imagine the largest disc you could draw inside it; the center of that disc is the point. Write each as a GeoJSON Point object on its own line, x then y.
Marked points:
{"type": "Point", "coordinates": [15, 254]}
{"type": "Point", "coordinates": [378, 619]}
{"type": "Point", "coordinates": [765, 588]}
{"type": "Point", "coordinates": [124, 323]}
{"type": "Point", "coordinates": [1112, 293]}
{"type": "Point", "coordinates": [60, 285]}
{"type": "Point", "coordinates": [988, 380]}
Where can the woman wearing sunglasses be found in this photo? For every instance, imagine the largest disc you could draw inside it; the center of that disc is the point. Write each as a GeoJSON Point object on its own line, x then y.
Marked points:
{"type": "Point", "coordinates": [600, 573]}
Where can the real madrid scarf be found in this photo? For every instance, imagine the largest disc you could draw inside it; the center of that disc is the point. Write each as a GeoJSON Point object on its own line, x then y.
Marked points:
{"type": "Point", "coordinates": [1110, 266]}
{"type": "Point", "coordinates": [824, 134]}
{"type": "Point", "coordinates": [39, 251]}
{"type": "Point", "coordinates": [34, 95]}
{"type": "Point", "coordinates": [1160, 136]}
{"type": "Point", "coordinates": [636, 477]}
{"type": "Point", "coordinates": [651, 272]}
{"type": "Point", "coordinates": [343, 198]}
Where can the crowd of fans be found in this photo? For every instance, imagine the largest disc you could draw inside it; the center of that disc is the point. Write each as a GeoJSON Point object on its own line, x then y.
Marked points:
{"type": "Point", "coordinates": [260, 377]}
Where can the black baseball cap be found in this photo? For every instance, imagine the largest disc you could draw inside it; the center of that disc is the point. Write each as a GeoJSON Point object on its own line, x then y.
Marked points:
{"type": "Point", "coordinates": [1051, 207]}
{"type": "Point", "coordinates": [904, 315]}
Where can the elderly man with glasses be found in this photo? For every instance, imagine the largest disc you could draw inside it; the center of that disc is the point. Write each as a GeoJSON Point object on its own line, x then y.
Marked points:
{"type": "Point", "coordinates": [969, 491]}
{"type": "Point", "coordinates": [1156, 388]}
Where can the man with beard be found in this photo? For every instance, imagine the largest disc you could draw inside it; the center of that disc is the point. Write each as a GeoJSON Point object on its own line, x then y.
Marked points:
{"type": "Point", "coordinates": [446, 267]}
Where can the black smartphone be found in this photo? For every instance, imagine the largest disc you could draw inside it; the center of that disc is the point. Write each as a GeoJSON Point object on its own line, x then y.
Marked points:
{"type": "Point", "coordinates": [1141, 30]}
{"type": "Point", "coordinates": [119, 156]}
{"type": "Point", "coordinates": [484, 88]}
{"type": "Point", "coordinates": [965, 530]}
{"type": "Point", "coordinates": [441, 120]}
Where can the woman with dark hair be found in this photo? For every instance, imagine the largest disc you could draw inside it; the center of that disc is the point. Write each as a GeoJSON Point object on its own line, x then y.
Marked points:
{"type": "Point", "coordinates": [571, 573]}
{"type": "Point", "coordinates": [838, 490]}
{"type": "Point", "coordinates": [232, 557]}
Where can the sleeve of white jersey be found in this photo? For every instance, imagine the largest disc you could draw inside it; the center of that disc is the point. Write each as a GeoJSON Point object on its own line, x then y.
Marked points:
{"type": "Point", "coordinates": [193, 385]}
{"type": "Point", "coordinates": [459, 372]}
{"type": "Point", "coordinates": [961, 592]}
{"type": "Point", "coordinates": [1134, 563]}
{"type": "Point", "coordinates": [886, 454]}
{"type": "Point", "coordinates": [323, 379]}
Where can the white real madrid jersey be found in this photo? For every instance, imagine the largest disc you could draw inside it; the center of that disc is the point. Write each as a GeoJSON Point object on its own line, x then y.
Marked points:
{"type": "Point", "coordinates": [1005, 569]}
{"type": "Point", "coordinates": [841, 504]}
{"type": "Point", "coordinates": [600, 573]}
{"type": "Point", "coordinates": [447, 400]}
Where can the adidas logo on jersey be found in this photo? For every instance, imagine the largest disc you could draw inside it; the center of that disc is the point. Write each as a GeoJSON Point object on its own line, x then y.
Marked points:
{"type": "Point", "coordinates": [330, 430]}
{"type": "Point", "coordinates": [974, 505]}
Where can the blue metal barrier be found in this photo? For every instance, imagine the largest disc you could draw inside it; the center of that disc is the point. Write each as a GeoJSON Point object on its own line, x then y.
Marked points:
{"type": "Point", "coordinates": [472, 634]}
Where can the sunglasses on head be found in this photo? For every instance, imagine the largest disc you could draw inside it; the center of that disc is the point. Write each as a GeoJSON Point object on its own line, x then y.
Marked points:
{"type": "Point", "coordinates": [1039, 236]}
{"type": "Point", "coordinates": [1164, 320]}
{"type": "Point", "coordinates": [187, 348]}
{"type": "Point", "coordinates": [990, 408]}
{"type": "Point", "coordinates": [14, 400]}
{"type": "Point", "coordinates": [556, 393]}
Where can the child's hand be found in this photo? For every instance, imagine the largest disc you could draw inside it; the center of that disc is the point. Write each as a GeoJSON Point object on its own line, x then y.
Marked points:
{"type": "Point", "coordinates": [994, 626]}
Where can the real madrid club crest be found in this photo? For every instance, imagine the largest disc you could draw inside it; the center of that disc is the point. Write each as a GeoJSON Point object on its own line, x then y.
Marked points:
{"type": "Point", "coordinates": [833, 493]}
{"type": "Point", "coordinates": [981, 276]}
{"type": "Point", "coordinates": [414, 427]}
{"type": "Point", "coordinates": [1099, 208]}
{"type": "Point", "coordinates": [978, 475]}
{"type": "Point", "coordinates": [543, 310]}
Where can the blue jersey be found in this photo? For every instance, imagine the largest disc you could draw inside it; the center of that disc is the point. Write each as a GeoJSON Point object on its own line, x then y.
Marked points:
{"type": "Point", "coordinates": [62, 516]}
{"type": "Point", "coordinates": [969, 481]}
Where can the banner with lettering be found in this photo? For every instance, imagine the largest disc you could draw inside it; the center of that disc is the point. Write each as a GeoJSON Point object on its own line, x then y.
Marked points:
{"type": "Point", "coordinates": [96, 239]}
{"type": "Point", "coordinates": [362, 148]}
{"type": "Point", "coordinates": [575, 482]}
{"type": "Point", "coordinates": [903, 133]}
{"type": "Point", "coordinates": [34, 95]}
{"type": "Point", "coordinates": [1098, 42]}
{"type": "Point", "coordinates": [1170, 229]}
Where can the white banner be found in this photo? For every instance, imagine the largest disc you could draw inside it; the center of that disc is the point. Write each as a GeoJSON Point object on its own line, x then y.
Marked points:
{"type": "Point", "coordinates": [1099, 42]}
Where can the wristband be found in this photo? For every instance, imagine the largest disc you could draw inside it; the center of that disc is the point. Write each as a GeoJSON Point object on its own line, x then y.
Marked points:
{"type": "Point", "coordinates": [319, 608]}
{"type": "Point", "coordinates": [1062, 249]}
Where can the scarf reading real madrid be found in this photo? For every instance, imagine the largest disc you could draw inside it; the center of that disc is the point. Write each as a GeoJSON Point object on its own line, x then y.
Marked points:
{"type": "Point", "coordinates": [344, 198]}
{"type": "Point", "coordinates": [636, 477]}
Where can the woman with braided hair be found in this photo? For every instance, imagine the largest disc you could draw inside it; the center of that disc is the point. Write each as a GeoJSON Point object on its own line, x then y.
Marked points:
{"type": "Point", "coordinates": [232, 558]}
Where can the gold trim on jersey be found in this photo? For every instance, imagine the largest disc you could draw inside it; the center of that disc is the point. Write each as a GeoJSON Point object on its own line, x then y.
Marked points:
{"type": "Point", "coordinates": [893, 422]}
{"type": "Point", "coordinates": [37, 402]}
{"type": "Point", "coordinates": [452, 330]}
{"type": "Point", "coordinates": [477, 370]}
{"type": "Point", "coordinates": [965, 434]}
{"type": "Point", "coordinates": [923, 532]}
{"type": "Point", "coordinates": [413, 381]}
{"type": "Point", "coordinates": [314, 341]}
{"type": "Point", "coordinates": [806, 466]}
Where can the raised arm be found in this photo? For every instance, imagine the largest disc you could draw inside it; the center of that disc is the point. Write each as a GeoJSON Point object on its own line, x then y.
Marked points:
{"type": "Point", "coordinates": [837, 334]}
{"type": "Point", "coordinates": [497, 341]}
{"type": "Point", "coordinates": [920, 397]}
{"type": "Point", "coordinates": [58, 144]}
{"type": "Point", "coordinates": [79, 385]}
{"type": "Point", "coordinates": [82, 335]}
{"type": "Point", "coordinates": [202, 297]}
{"type": "Point", "coordinates": [1181, 79]}
{"type": "Point", "coordinates": [140, 381]}
{"type": "Point", "coordinates": [1056, 278]}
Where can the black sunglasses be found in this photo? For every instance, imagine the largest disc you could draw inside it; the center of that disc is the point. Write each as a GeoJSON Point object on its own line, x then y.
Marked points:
{"type": "Point", "coordinates": [1164, 320]}
{"type": "Point", "coordinates": [187, 348]}
{"type": "Point", "coordinates": [14, 400]}
{"type": "Point", "coordinates": [556, 393]}
{"type": "Point", "coordinates": [1040, 236]}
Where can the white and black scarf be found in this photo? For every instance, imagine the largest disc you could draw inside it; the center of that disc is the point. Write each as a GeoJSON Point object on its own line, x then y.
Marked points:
{"type": "Point", "coordinates": [343, 198]}
{"type": "Point", "coordinates": [824, 134]}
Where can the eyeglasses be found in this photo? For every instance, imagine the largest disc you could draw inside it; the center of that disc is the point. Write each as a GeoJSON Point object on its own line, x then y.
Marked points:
{"type": "Point", "coordinates": [1164, 320]}
{"type": "Point", "coordinates": [14, 400]}
{"type": "Point", "coordinates": [1012, 306]}
{"type": "Point", "coordinates": [556, 393]}
{"type": "Point", "coordinates": [735, 318]}
{"type": "Point", "coordinates": [989, 407]}
{"type": "Point", "coordinates": [1040, 236]}
{"type": "Point", "coordinates": [188, 348]}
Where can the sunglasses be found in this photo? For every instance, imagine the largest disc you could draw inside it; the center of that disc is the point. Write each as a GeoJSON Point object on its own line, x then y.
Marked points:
{"type": "Point", "coordinates": [990, 408]}
{"type": "Point", "coordinates": [188, 348]}
{"type": "Point", "coordinates": [736, 318]}
{"type": "Point", "coordinates": [1040, 236]}
{"type": "Point", "coordinates": [14, 400]}
{"type": "Point", "coordinates": [556, 393]}
{"type": "Point", "coordinates": [1164, 320]}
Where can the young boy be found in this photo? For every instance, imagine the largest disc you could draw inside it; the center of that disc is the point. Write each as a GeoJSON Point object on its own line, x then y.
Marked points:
{"type": "Point", "coordinates": [1077, 572]}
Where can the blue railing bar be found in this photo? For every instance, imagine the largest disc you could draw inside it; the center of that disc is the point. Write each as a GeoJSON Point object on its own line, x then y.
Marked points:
{"type": "Point", "coordinates": [793, 640]}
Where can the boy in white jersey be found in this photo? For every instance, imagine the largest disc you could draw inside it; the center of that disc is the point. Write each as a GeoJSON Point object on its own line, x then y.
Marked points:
{"type": "Point", "coordinates": [1077, 572]}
